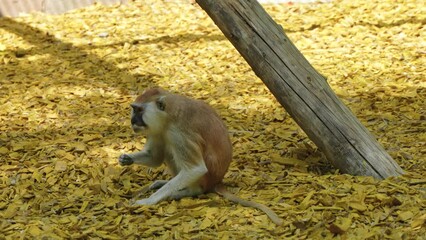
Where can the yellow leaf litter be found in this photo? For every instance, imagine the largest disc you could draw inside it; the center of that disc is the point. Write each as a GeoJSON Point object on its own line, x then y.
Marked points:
{"type": "Point", "coordinates": [66, 82]}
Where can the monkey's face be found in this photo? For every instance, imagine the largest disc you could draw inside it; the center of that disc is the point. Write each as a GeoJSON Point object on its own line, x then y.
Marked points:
{"type": "Point", "coordinates": [149, 116]}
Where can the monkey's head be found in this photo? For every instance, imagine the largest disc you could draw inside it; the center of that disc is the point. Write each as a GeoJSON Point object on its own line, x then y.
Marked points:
{"type": "Point", "coordinates": [149, 111]}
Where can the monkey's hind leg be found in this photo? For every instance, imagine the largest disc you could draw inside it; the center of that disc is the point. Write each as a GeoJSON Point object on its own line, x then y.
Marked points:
{"type": "Point", "coordinates": [154, 186]}
{"type": "Point", "coordinates": [187, 192]}
{"type": "Point", "coordinates": [158, 184]}
{"type": "Point", "coordinates": [183, 180]}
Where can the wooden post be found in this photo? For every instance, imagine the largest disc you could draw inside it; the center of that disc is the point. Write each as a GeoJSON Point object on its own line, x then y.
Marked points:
{"type": "Point", "coordinates": [300, 89]}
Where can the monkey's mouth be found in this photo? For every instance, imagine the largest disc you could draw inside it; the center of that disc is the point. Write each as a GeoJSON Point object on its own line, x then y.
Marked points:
{"type": "Point", "coordinates": [140, 126]}
{"type": "Point", "coordinates": [137, 128]}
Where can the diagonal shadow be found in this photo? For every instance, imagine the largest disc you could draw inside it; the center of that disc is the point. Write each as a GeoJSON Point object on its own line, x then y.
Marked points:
{"type": "Point", "coordinates": [93, 67]}
{"type": "Point", "coordinates": [161, 39]}
{"type": "Point", "coordinates": [82, 69]}
{"type": "Point", "coordinates": [67, 52]}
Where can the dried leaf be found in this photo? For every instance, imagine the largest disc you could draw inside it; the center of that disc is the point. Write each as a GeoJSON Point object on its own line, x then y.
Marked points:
{"type": "Point", "coordinates": [61, 166]}
{"type": "Point", "coordinates": [340, 227]}
{"type": "Point", "coordinates": [66, 82]}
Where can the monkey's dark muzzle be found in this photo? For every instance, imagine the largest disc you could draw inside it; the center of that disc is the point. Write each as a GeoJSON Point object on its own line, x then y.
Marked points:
{"type": "Point", "coordinates": [139, 127]}
{"type": "Point", "coordinates": [138, 122]}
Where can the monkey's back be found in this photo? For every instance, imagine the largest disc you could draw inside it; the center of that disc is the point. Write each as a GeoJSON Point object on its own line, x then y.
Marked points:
{"type": "Point", "coordinates": [213, 138]}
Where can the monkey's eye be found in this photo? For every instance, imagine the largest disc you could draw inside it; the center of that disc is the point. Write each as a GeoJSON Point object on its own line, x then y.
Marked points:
{"type": "Point", "coordinates": [160, 104]}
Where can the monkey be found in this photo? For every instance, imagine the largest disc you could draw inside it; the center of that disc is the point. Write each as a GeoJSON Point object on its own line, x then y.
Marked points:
{"type": "Point", "coordinates": [190, 138]}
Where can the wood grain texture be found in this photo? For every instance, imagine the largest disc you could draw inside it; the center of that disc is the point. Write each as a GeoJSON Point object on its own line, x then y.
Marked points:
{"type": "Point", "coordinates": [300, 89]}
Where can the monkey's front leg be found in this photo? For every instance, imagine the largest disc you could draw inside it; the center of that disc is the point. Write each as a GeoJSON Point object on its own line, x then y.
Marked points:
{"type": "Point", "coordinates": [138, 157]}
{"type": "Point", "coordinates": [125, 159]}
{"type": "Point", "coordinates": [144, 157]}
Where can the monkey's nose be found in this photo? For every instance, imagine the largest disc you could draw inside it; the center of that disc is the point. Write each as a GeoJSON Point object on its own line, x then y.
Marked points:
{"type": "Point", "coordinates": [137, 107]}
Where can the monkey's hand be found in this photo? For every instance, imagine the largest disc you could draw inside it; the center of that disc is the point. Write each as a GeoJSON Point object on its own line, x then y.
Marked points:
{"type": "Point", "coordinates": [125, 159]}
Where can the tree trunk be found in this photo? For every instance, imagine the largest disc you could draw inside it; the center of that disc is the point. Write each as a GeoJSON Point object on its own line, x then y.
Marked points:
{"type": "Point", "coordinates": [300, 89]}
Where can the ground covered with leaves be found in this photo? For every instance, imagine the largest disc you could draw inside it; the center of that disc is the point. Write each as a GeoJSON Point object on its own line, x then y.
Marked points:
{"type": "Point", "coordinates": [66, 82]}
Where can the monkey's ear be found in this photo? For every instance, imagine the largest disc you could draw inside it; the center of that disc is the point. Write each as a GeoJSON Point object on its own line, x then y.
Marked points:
{"type": "Point", "coordinates": [161, 103]}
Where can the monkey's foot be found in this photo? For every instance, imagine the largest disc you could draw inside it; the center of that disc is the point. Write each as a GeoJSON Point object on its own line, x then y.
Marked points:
{"type": "Point", "coordinates": [145, 201]}
{"type": "Point", "coordinates": [125, 159]}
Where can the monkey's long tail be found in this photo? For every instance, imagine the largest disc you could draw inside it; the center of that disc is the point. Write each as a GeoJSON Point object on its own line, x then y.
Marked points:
{"type": "Point", "coordinates": [223, 191]}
